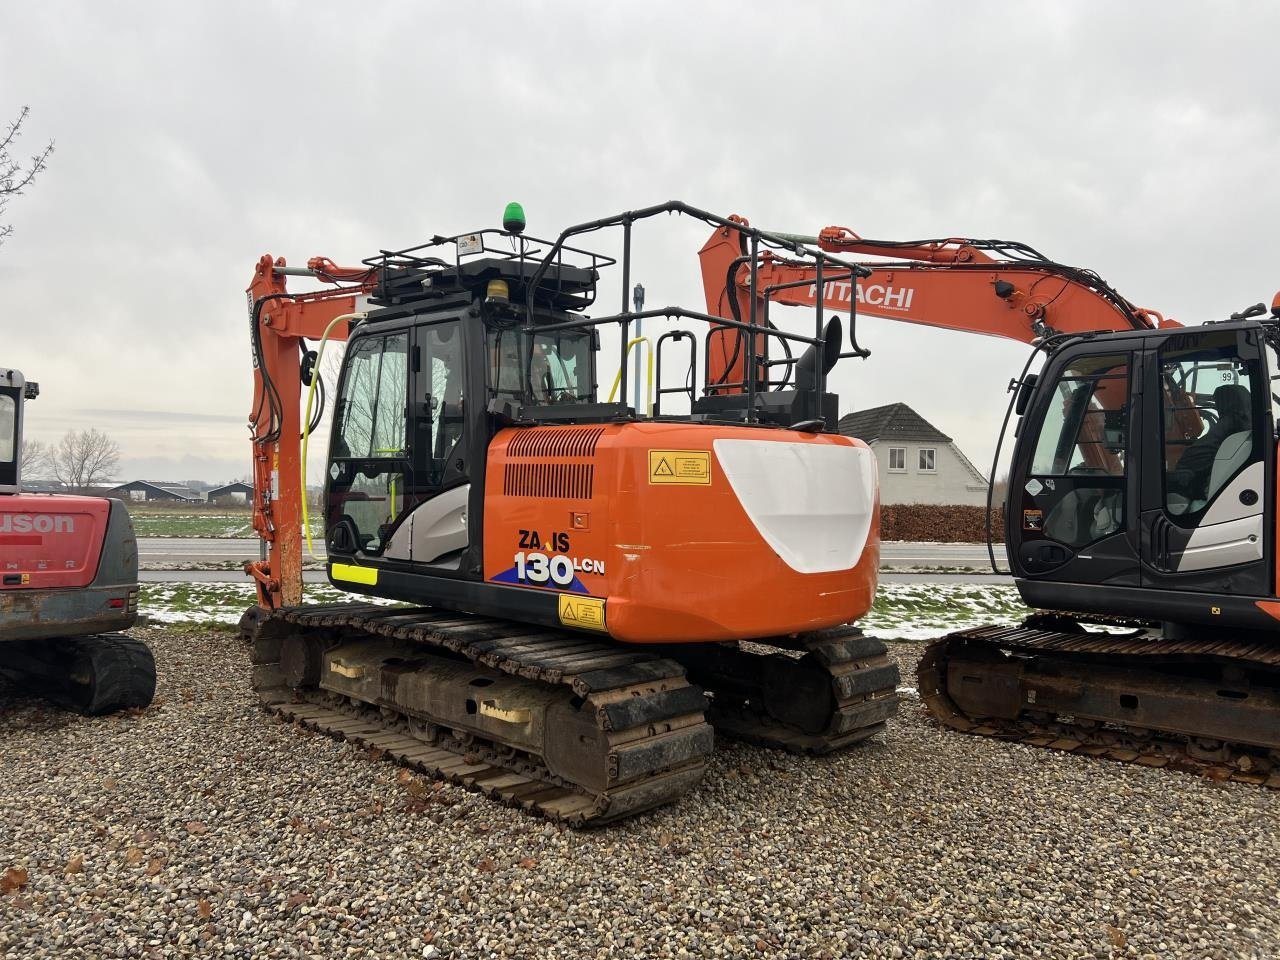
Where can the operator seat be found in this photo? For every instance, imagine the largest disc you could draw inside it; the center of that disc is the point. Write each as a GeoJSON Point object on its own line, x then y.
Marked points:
{"type": "Point", "coordinates": [1196, 467]}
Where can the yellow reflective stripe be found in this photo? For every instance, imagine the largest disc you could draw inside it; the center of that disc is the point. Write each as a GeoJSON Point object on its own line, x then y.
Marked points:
{"type": "Point", "coordinates": [353, 574]}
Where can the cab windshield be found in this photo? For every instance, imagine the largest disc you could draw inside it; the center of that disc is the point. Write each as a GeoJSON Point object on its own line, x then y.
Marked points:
{"type": "Point", "coordinates": [543, 369]}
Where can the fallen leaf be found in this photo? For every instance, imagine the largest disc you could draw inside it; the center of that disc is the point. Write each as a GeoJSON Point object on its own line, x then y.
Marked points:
{"type": "Point", "coordinates": [142, 837]}
{"type": "Point", "coordinates": [15, 878]}
{"type": "Point", "coordinates": [133, 855]}
{"type": "Point", "coordinates": [377, 753]}
{"type": "Point", "coordinates": [297, 900]}
{"type": "Point", "coordinates": [74, 865]}
{"type": "Point", "coordinates": [486, 866]}
{"type": "Point", "coordinates": [196, 827]}
{"type": "Point", "coordinates": [761, 945]}
{"type": "Point", "coordinates": [528, 863]}
{"type": "Point", "coordinates": [155, 866]}
{"type": "Point", "coordinates": [1116, 936]}
{"type": "Point", "coordinates": [403, 777]}
{"type": "Point", "coordinates": [465, 898]}
{"type": "Point", "coordinates": [416, 788]}
{"type": "Point", "coordinates": [205, 909]}
{"type": "Point", "coordinates": [428, 936]}
{"type": "Point", "coordinates": [665, 839]}
{"type": "Point", "coordinates": [110, 783]}
{"type": "Point", "coordinates": [746, 771]}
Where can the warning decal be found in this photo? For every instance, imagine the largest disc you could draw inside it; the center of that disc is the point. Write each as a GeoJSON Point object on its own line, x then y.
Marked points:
{"type": "Point", "coordinates": [691, 467]}
{"type": "Point", "coordinates": [584, 613]}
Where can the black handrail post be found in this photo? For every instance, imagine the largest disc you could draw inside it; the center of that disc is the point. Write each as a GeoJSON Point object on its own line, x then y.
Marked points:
{"type": "Point", "coordinates": [819, 375]}
{"type": "Point", "coordinates": [626, 309]}
{"type": "Point", "coordinates": [749, 359]}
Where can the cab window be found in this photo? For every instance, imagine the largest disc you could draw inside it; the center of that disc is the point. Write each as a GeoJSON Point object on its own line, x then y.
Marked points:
{"type": "Point", "coordinates": [546, 368]}
{"type": "Point", "coordinates": [1086, 425]}
{"type": "Point", "coordinates": [1211, 401]}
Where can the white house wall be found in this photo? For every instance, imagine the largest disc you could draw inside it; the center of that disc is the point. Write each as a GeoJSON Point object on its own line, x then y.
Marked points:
{"type": "Point", "coordinates": [955, 480]}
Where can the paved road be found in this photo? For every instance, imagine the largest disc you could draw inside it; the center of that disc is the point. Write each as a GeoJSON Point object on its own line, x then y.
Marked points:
{"type": "Point", "coordinates": [156, 550]}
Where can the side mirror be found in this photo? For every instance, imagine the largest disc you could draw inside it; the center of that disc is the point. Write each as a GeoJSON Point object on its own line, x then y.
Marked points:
{"type": "Point", "coordinates": [1026, 390]}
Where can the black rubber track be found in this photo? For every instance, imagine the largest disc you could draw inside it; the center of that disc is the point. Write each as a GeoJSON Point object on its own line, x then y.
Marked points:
{"type": "Point", "coordinates": [109, 672]}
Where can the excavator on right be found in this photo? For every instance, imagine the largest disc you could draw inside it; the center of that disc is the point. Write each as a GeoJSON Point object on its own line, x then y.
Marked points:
{"type": "Point", "coordinates": [1141, 518]}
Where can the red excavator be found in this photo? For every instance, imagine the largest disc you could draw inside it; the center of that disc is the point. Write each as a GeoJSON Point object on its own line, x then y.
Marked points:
{"type": "Point", "coordinates": [1141, 516]}
{"type": "Point", "coordinates": [68, 580]}
{"type": "Point", "coordinates": [590, 587]}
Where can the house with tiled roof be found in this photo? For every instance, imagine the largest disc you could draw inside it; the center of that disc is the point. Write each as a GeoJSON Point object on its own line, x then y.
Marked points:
{"type": "Point", "coordinates": [918, 463]}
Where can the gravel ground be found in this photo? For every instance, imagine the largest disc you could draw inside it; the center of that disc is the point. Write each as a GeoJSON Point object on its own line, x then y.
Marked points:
{"type": "Point", "coordinates": [202, 828]}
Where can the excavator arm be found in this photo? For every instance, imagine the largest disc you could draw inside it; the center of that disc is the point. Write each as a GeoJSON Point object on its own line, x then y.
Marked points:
{"type": "Point", "coordinates": [280, 323]}
{"type": "Point", "coordinates": [990, 287]}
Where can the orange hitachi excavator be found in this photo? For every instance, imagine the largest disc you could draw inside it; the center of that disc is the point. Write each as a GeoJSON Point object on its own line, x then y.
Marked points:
{"type": "Point", "coordinates": [582, 576]}
{"type": "Point", "coordinates": [1141, 515]}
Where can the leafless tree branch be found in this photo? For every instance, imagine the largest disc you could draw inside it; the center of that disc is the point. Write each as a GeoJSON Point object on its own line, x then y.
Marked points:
{"type": "Point", "coordinates": [84, 458]}
{"type": "Point", "coordinates": [14, 175]}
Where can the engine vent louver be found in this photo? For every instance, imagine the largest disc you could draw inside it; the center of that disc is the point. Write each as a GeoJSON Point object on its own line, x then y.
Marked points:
{"type": "Point", "coordinates": [569, 481]}
{"type": "Point", "coordinates": [551, 477]}
{"type": "Point", "coordinates": [555, 442]}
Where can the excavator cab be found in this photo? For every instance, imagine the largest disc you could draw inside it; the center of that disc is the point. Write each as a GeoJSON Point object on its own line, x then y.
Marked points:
{"type": "Point", "coordinates": [1144, 466]}
{"type": "Point", "coordinates": [428, 378]}
{"type": "Point", "coordinates": [13, 391]}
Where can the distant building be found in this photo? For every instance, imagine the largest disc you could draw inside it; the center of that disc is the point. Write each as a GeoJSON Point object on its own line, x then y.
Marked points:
{"type": "Point", "coordinates": [918, 463]}
{"type": "Point", "coordinates": [238, 492]}
{"type": "Point", "coordinates": [145, 491]}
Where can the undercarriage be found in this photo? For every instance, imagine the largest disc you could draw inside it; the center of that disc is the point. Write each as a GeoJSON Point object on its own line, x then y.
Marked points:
{"type": "Point", "coordinates": [577, 729]}
{"type": "Point", "coordinates": [1127, 692]}
{"type": "Point", "coordinates": [93, 674]}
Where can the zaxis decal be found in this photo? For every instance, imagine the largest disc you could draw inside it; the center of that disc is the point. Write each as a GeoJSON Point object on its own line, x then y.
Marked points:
{"type": "Point", "coordinates": [534, 564]}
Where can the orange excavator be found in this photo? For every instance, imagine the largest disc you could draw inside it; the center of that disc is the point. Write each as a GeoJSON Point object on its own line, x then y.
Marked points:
{"type": "Point", "coordinates": [587, 589]}
{"type": "Point", "coordinates": [1141, 515]}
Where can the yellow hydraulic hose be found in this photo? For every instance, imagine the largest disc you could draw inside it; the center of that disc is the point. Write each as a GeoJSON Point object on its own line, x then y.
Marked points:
{"type": "Point", "coordinates": [306, 419]}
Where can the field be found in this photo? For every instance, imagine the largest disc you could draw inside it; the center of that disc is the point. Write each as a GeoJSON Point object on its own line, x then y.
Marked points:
{"type": "Point", "coordinates": [195, 520]}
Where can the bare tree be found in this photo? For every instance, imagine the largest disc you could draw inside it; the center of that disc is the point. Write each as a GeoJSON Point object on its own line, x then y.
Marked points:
{"type": "Point", "coordinates": [83, 458]}
{"type": "Point", "coordinates": [33, 457]}
{"type": "Point", "coordinates": [15, 176]}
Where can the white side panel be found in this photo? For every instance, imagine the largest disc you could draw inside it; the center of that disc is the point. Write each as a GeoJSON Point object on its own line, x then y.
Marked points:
{"type": "Point", "coordinates": [434, 529]}
{"type": "Point", "coordinates": [1227, 506]}
{"type": "Point", "coordinates": [812, 503]}
{"type": "Point", "coordinates": [1223, 545]}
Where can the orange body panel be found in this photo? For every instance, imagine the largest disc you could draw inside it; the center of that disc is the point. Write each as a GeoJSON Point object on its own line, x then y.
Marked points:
{"type": "Point", "coordinates": [677, 558]}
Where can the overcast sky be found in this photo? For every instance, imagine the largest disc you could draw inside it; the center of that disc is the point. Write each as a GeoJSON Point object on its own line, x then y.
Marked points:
{"type": "Point", "coordinates": [1137, 139]}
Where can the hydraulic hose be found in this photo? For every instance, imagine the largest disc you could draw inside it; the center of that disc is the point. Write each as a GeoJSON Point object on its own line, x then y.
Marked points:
{"type": "Point", "coordinates": [306, 420]}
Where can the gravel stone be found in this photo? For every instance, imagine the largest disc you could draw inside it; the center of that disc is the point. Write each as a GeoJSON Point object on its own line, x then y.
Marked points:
{"type": "Point", "coordinates": [203, 828]}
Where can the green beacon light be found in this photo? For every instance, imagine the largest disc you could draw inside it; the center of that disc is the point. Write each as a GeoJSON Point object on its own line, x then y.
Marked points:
{"type": "Point", "coordinates": [513, 218]}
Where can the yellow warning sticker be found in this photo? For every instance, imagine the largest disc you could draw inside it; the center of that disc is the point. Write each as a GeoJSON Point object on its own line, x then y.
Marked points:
{"type": "Point", "coordinates": [691, 467]}
{"type": "Point", "coordinates": [584, 613]}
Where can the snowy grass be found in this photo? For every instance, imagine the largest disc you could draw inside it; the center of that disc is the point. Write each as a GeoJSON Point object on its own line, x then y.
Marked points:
{"type": "Point", "coordinates": [901, 611]}
{"type": "Point", "coordinates": [922, 611]}
{"type": "Point", "coordinates": [221, 604]}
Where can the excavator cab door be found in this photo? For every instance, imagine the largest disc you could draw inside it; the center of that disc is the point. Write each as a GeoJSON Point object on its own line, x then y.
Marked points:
{"type": "Point", "coordinates": [1069, 514]}
{"type": "Point", "coordinates": [399, 473]}
{"type": "Point", "coordinates": [1208, 463]}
